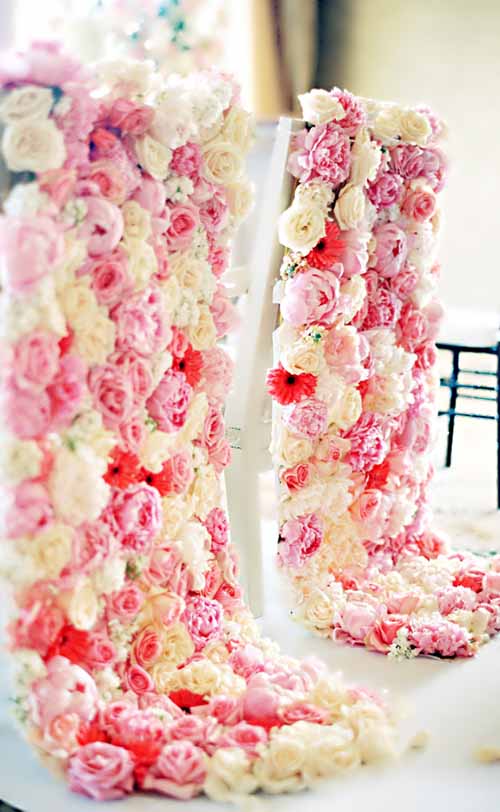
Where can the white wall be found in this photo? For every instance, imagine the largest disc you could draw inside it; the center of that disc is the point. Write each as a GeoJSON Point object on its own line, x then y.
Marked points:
{"type": "Point", "coordinates": [445, 53]}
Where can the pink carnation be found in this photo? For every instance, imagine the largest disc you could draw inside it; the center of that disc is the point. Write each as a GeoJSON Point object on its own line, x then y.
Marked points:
{"type": "Point", "coordinates": [203, 618]}
{"type": "Point", "coordinates": [186, 161]}
{"type": "Point", "coordinates": [135, 512]}
{"type": "Point", "coordinates": [385, 190]}
{"type": "Point", "coordinates": [101, 771]}
{"type": "Point", "coordinates": [300, 539]}
{"type": "Point", "coordinates": [355, 115]}
{"type": "Point", "coordinates": [169, 403]}
{"type": "Point", "coordinates": [217, 525]}
{"type": "Point", "coordinates": [312, 297]}
{"type": "Point", "coordinates": [322, 152]}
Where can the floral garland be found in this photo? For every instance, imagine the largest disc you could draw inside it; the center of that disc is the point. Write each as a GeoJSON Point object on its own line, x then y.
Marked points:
{"type": "Point", "coordinates": [355, 386]}
{"type": "Point", "coordinates": [138, 664]}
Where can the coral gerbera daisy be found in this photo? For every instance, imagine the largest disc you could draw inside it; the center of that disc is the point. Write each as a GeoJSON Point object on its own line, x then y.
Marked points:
{"type": "Point", "coordinates": [287, 388]}
{"type": "Point", "coordinates": [124, 469]}
{"type": "Point", "coordinates": [329, 249]}
{"type": "Point", "coordinates": [191, 364]}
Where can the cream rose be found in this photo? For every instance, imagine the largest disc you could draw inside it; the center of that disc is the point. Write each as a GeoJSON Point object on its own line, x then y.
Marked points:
{"type": "Point", "coordinates": [164, 677]}
{"type": "Point", "coordinates": [349, 409]}
{"type": "Point", "coordinates": [354, 291]}
{"type": "Point", "coordinates": [27, 102]}
{"type": "Point", "coordinates": [222, 162]}
{"type": "Point", "coordinates": [79, 304]}
{"type": "Point", "coordinates": [142, 262]}
{"type": "Point", "coordinates": [350, 206]}
{"type": "Point", "coordinates": [239, 128]}
{"type": "Point", "coordinates": [203, 334]}
{"type": "Point", "coordinates": [415, 128]}
{"type": "Point", "coordinates": [188, 270]}
{"type": "Point", "coordinates": [76, 486]}
{"type": "Point", "coordinates": [300, 228]}
{"type": "Point", "coordinates": [193, 426]}
{"type": "Point", "coordinates": [280, 768]}
{"type": "Point", "coordinates": [229, 775]}
{"type": "Point", "coordinates": [82, 606]}
{"type": "Point", "coordinates": [21, 459]}
{"type": "Point", "coordinates": [387, 124]}
{"type": "Point", "coordinates": [317, 610]}
{"type": "Point", "coordinates": [320, 107]}
{"type": "Point", "coordinates": [365, 158]}
{"type": "Point", "coordinates": [51, 550]}
{"type": "Point", "coordinates": [205, 490]}
{"type": "Point", "coordinates": [97, 340]}
{"type": "Point", "coordinates": [334, 751]}
{"type": "Point", "coordinates": [136, 221]}
{"type": "Point", "coordinates": [291, 449]}
{"type": "Point", "coordinates": [156, 448]}
{"type": "Point", "coordinates": [193, 546]}
{"type": "Point", "coordinates": [240, 197]}
{"type": "Point", "coordinates": [302, 356]}
{"type": "Point", "coordinates": [35, 145]}
{"type": "Point", "coordinates": [177, 647]}
{"type": "Point", "coordinates": [153, 157]}
{"type": "Point", "coordinates": [201, 677]}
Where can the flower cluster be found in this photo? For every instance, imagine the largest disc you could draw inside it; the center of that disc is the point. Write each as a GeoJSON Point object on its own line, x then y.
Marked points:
{"type": "Point", "coordinates": [354, 388]}
{"type": "Point", "coordinates": [138, 664]}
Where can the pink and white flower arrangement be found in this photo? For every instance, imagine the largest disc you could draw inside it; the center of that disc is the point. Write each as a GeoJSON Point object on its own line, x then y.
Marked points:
{"type": "Point", "coordinates": [138, 665]}
{"type": "Point", "coordinates": [354, 388]}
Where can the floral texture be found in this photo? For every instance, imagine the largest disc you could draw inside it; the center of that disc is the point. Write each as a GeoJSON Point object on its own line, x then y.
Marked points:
{"type": "Point", "coordinates": [354, 387]}
{"type": "Point", "coordinates": [138, 665]}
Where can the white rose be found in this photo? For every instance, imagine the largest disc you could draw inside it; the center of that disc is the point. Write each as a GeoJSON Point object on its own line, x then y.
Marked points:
{"type": "Point", "coordinates": [21, 459]}
{"type": "Point", "coordinates": [27, 102]}
{"type": "Point", "coordinates": [177, 646]}
{"type": "Point", "coordinates": [203, 334]}
{"type": "Point", "coordinates": [153, 156]}
{"type": "Point", "coordinates": [193, 545]}
{"type": "Point", "coordinates": [240, 197]}
{"type": "Point", "coordinates": [387, 124]}
{"type": "Point", "coordinates": [317, 610]}
{"type": "Point", "coordinates": [289, 449]}
{"type": "Point", "coordinates": [76, 486]}
{"type": "Point", "coordinates": [136, 221]}
{"type": "Point", "coordinates": [33, 146]}
{"type": "Point", "coordinates": [415, 128]}
{"type": "Point", "coordinates": [51, 550]}
{"type": "Point", "coordinates": [315, 193]}
{"type": "Point", "coordinates": [350, 206]}
{"type": "Point", "coordinates": [97, 340]}
{"type": "Point", "coordinates": [176, 511]}
{"type": "Point", "coordinates": [239, 128]}
{"type": "Point", "coordinates": [334, 751]}
{"type": "Point", "coordinates": [142, 262]}
{"type": "Point", "coordinates": [280, 767]}
{"type": "Point", "coordinates": [82, 606]}
{"type": "Point", "coordinates": [127, 77]}
{"type": "Point", "coordinates": [302, 356]}
{"type": "Point", "coordinates": [301, 228]}
{"type": "Point", "coordinates": [365, 158]}
{"type": "Point", "coordinates": [229, 775]}
{"type": "Point", "coordinates": [320, 107]}
{"type": "Point", "coordinates": [157, 447]}
{"type": "Point", "coordinates": [222, 162]}
{"type": "Point", "coordinates": [201, 677]}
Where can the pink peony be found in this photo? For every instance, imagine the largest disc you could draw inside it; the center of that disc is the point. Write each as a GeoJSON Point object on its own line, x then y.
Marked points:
{"type": "Point", "coordinates": [203, 618]}
{"type": "Point", "coordinates": [67, 390]}
{"type": "Point", "coordinates": [357, 620]}
{"type": "Point", "coordinates": [322, 152]}
{"type": "Point", "coordinates": [312, 297]}
{"type": "Point", "coordinates": [308, 418]}
{"type": "Point", "coordinates": [31, 510]}
{"type": "Point", "coordinates": [345, 351]}
{"type": "Point", "coordinates": [300, 539]}
{"type": "Point", "coordinates": [439, 637]}
{"type": "Point", "coordinates": [141, 323]}
{"type": "Point", "coordinates": [151, 195]}
{"type": "Point", "coordinates": [169, 403]}
{"type": "Point", "coordinates": [179, 771]}
{"type": "Point", "coordinates": [391, 249]}
{"type": "Point", "coordinates": [35, 360]}
{"type": "Point", "coordinates": [138, 372]}
{"type": "Point", "coordinates": [101, 771]}
{"type": "Point", "coordinates": [102, 227]}
{"type": "Point", "coordinates": [385, 190]}
{"type": "Point", "coordinates": [32, 247]}
{"type": "Point", "coordinates": [405, 282]}
{"type": "Point", "coordinates": [131, 117]}
{"type": "Point", "coordinates": [368, 443]}
{"type": "Point", "coordinates": [412, 328]}
{"type": "Point", "coordinates": [67, 688]}
{"type": "Point", "coordinates": [132, 434]}
{"type": "Point", "coordinates": [135, 513]}
{"type": "Point", "coordinates": [112, 394]}
{"type": "Point", "coordinates": [183, 222]}
{"type": "Point", "coordinates": [217, 525]}
{"type": "Point", "coordinates": [261, 705]}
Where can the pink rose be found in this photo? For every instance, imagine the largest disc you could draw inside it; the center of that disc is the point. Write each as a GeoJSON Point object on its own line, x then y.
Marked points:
{"type": "Point", "coordinates": [27, 413]}
{"type": "Point", "coordinates": [357, 620]}
{"type": "Point", "coordinates": [178, 472]}
{"type": "Point", "coordinates": [147, 647]}
{"type": "Point", "coordinates": [308, 418]}
{"type": "Point", "coordinates": [213, 427]}
{"type": "Point", "coordinates": [138, 680]}
{"type": "Point", "coordinates": [67, 688]}
{"type": "Point", "coordinates": [67, 390]}
{"type": "Point", "coordinates": [218, 258]}
{"type": "Point", "coordinates": [391, 249]}
{"type": "Point", "coordinates": [58, 184]}
{"type": "Point", "coordinates": [261, 705]}
{"type": "Point", "coordinates": [101, 771]}
{"type": "Point", "coordinates": [132, 434]}
{"type": "Point", "coordinates": [419, 204]}
{"type": "Point", "coordinates": [135, 512]}
{"type": "Point", "coordinates": [224, 313]}
{"type": "Point", "coordinates": [405, 282]}
{"type": "Point", "coordinates": [35, 360]}
{"type": "Point", "coordinates": [32, 247]}
{"type": "Point", "coordinates": [247, 737]}
{"type": "Point", "coordinates": [60, 737]}
{"type": "Point", "coordinates": [186, 161]}
{"type": "Point", "coordinates": [368, 442]}
{"type": "Point", "coordinates": [112, 394]}
{"type": "Point", "coordinates": [214, 212]}
{"type": "Point", "coordinates": [300, 539]}
{"type": "Point", "coordinates": [138, 372]}
{"type": "Point", "coordinates": [141, 323]}
{"type": "Point", "coordinates": [226, 710]}
{"type": "Point", "coordinates": [383, 633]}
{"type": "Point", "coordinates": [110, 279]}
{"type": "Point", "coordinates": [109, 180]}
{"type": "Point", "coordinates": [30, 511]}
{"type": "Point", "coordinates": [126, 603]}
{"type": "Point", "coordinates": [102, 227]}
{"type": "Point", "coordinates": [371, 510]}
{"type": "Point", "coordinates": [203, 618]}
{"type": "Point", "coordinates": [130, 117]}
{"type": "Point", "coordinates": [312, 297]}
{"type": "Point", "coordinates": [305, 712]}
{"type": "Point", "coordinates": [322, 152]}
{"type": "Point", "coordinates": [296, 477]}
{"type": "Point", "coordinates": [179, 771]}
{"type": "Point", "coordinates": [151, 195]}
{"type": "Point", "coordinates": [183, 222]}
{"type": "Point", "coordinates": [169, 403]}
{"type": "Point", "coordinates": [385, 190]}
{"type": "Point", "coordinates": [217, 526]}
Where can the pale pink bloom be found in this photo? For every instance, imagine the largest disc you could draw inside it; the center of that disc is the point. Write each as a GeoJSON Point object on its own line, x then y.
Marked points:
{"type": "Point", "coordinates": [308, 418]}
{"type": "Point", "coordinates": [151, 195]}
{"type": "Point", "coordinates": [261, 704]}
{"type": "Point", "coordinates": [92, 544]}
{"type": "Point", "coordinates": [381, 636]}
{"type": "Point", "coordinates": [312, 297]}
{"type": "Point", "coordinates": [405, 282]}
{"type": "Point", "coordinates": [135, 514]}
{"type": "Point", "coordinates": [179, 771]}
{"type": "Point", "coordinates": [391, 249]}
{"type": "Point", "coordinates": [169, 403]}
{"type": "Point", "coordinates": [60, 737]}
{"type": "Point", "coordinates": [35, 360]}
{"type": "Point", "coordinates": [132, 434]}
{"type": "Point", "coordinates": [32, 247]}
{"type": "Point", "coordinates": [78, 121]}
{"type": "Point", "coordinates": [385, 190]}
{"type": "Point", "coordinates": [322, 152]}
{"type": "Point", "coordinates": [225, 709]}
{"type": "Point", "coordinates": [112, 394]}
{"type": "Point", "coordinates": [101, 771]}
{"type": "Point", "coordinates": [371, 510]}
{"type": "Point", "coordinates": [305, 712]}
{"type": "Point", "coordinates": [138, 372]}
{"type": "Point", "coordinates": [357, 620]}
{"type": "Point", "coordinates": [126, 603]}
{"type": "Point", "coordinates": [224, 313]}
{"type": "Point", "coordinates": [408, 161]}
{"type": "Point", "coordinates": [58, 184]}
{"type": "Point", "coordinates": [102, 227]}
{"type": "Point", "coordinates": [45, 63]}
{"type": "Point", "coordinates": [300, 539]}
{"type": "Point", "coordinates": [30, 511]}
{"type": "Point", "coordinates": [439, 637]}
{"type": "Point", "coordinates": [217, 373]}
{"type": "Point", "coordinates": [141, 323]}
{"type": "Point", "coordinates": [368, 443]}
{"type": "Point", "coordinates": [27, 413]}
{"type": "Point", "coordinates": [345, 351]}
{"type": "Point", "coordinates": [67, 688]}
{"type": "Point", "coordinates": [198, 730]}
{"type": "Point", "coordinates": [147, 647]}
{"type": "Point", "coordinates": [67, 390]}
